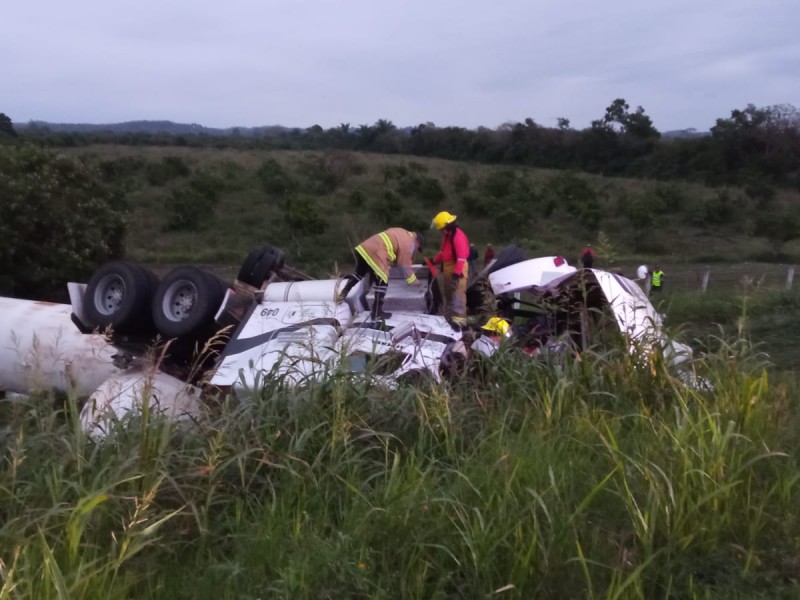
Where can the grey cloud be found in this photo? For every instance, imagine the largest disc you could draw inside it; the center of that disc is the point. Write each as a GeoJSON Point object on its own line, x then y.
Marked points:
{"type": "Point", "coordinates": [455, 63]}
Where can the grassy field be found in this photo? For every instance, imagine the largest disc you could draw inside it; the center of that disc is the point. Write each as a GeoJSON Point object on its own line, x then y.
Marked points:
{"type": "Point", "coordinates": [592, 478]}
{"type": "Point", "coordinates": [317, 205]}
{"type": "Point", "coordinates": [599, 476]}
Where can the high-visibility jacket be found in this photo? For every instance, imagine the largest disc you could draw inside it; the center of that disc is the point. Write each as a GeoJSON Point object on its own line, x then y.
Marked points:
{"type": "Point", "coordinates": [657, 275]}
{"type": "Point", "coordinates": [455, 249]}
{"type": "Point", "coordinates": [395, 245]}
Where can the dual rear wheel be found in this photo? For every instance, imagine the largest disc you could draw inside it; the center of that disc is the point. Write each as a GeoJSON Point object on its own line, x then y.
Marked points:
{"type": "Point", "coordinates": [129, 299]}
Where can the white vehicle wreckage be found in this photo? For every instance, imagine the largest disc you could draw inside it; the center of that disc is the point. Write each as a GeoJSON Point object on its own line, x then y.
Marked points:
{"type": "Point", "coordinates": [276, 322]}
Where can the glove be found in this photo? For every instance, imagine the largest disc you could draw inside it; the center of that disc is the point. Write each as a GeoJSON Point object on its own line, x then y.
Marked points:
{"type": "Point", "coordinates": [454, 279]}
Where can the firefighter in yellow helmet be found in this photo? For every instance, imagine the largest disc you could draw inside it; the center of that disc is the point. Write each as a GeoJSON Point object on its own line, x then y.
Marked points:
{"type": "Point", "coordinates": [454, 255]}
{"type": "Point", "coordinates": [497, 326]}
{"type": "Point", "coordinates": [375, 255]}
{"type": "Point", "coordinates": [495, 330]}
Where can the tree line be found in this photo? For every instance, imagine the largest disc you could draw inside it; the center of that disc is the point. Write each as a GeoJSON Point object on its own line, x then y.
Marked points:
{"type": "Point", "coordinates": [751, 145]}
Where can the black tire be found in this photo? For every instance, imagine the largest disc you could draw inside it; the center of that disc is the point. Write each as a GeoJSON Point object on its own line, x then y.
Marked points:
{"type": "Point", "coordinates": [186, 301]}
{"type": "Point", "coordinates": [260, 263]}
{"type": "Point", "coordinates": [119, 295]}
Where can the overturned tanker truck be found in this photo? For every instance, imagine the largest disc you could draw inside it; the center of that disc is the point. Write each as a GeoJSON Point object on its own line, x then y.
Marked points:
{"type": "Point", "coordinates": [129, 338]}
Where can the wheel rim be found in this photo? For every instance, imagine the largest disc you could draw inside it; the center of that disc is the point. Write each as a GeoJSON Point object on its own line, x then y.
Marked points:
{"type": "Point", "coordinates": [179, 300]}
{"type": "Point", "coordinates": [109, 294]}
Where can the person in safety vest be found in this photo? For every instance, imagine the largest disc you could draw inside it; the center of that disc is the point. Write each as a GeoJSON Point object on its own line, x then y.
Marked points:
{"type": "Point", "coordinates": [454, 255]}
{"type": "Point", "coordinates": [375, 255]}
{"type": "Point", "coordinates": [656, 279]}
{"type": "Point", "coordinates": [587, 256]}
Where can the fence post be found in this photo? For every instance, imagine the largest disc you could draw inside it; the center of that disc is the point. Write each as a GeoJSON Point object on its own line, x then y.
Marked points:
{"type": "Point", "coordinates": [789, 278]}
{"type": "Point", "coordinates": [704, 285]}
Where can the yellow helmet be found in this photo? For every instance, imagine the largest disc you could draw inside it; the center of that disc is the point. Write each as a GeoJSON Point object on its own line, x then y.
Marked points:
{"type": "Point", "coordinates": [498, 325]}
{"type": "Point", "coordinates": [442, 219]}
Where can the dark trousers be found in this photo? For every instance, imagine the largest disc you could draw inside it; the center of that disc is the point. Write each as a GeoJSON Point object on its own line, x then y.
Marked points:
{"type": "Point", "coordinates": [362, 270]}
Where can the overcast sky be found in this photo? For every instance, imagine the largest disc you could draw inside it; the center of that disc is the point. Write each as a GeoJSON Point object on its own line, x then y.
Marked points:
{"type": "Point", "coordinates": [451, 62]}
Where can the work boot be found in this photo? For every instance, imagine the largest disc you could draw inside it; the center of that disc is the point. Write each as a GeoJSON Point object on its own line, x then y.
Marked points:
{"type": "Point", "coordinates": [458, 323]}
{"type": "Point", "coordinates": [377, 306]}
{"type": "Point", "coordinates": [352, 280]}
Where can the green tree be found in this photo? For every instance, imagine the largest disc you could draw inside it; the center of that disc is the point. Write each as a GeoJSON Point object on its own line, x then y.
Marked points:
{"type": "Point", "coordinates": [759, 141]}
{"type": "Point", "coordinates": [634, 124]}
{"type": "Point", "coordinates": [6, 126]}
{"type": "Point", "coordinates": [57, 221]}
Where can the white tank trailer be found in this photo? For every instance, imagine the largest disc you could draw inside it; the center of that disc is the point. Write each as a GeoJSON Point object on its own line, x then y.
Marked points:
{"type": "Point", "coordinates": [42, 350]}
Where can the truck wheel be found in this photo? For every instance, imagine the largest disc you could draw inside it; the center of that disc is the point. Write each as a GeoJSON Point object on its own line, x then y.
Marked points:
{"type": "Point", "coordinates": [259, 264]}
{"type": "Point", "coordinates": [186, 301]}
{"type": "Point", "coordinates": [118, 295]}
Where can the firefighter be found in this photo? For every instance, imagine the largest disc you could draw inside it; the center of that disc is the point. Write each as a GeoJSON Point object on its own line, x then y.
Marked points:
{"type": "Point", "coordinates": [454, 255]}
{"type": "Point", "coordinates": [375, 255]}
{"type": "Point", "coordinates": [493, 332]}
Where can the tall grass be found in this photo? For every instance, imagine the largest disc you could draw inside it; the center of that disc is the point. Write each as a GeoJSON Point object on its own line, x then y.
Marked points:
{"type": "Point", "coordinates": [768, 317]}
{"type": "Point", "coordinates": [603, 477]}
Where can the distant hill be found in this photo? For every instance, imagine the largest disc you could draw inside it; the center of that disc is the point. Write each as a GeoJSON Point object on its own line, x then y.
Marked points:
{"type": "Point", "coordinates": [154, 127]}
{"type": "Point", "coordinates": [195, 129]}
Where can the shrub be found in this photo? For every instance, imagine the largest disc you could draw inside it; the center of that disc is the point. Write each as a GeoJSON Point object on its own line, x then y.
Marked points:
{"type": "Point", "coordinates": [330, 171]}
{"type": "Point", "coordinates": [274, 179]}
{"type": "Point", "coordinates": [118, 168]}
{"type": "Point", "coordinates": [167, 169]}
{"type": "Point", "coordinates": [231, 175]}
{"type": "Point", "coordinates": [57, 221]}
{"type": "Point", "coordinates": [430, 190]}
{"type": "Point", "coordinates": [423, 187]}
{"type": "Point", "coordinates": [394, 172]}
{"type": "Point", "coordinates": [461, 181]}
{"type": "Point", "coordinates": [191, 207]}
{"type": "Point", "coordinates": [574, 196]}
{"type": "Point", "coordinates": [512, 217]}
{"type": "Point", "coordinates": [499, 183]}
{"type": "Point", "coordinates": [386, 209]}
{"type": "Point", "coordinates": [303, 217]}
{"type": "Point", "coordinates": [475, 206]}
{"type": "Point", "coordinates": [357, 199]}
{"type": "Point", "coordinates": [720, 208]}
{"type": "Point", "coordinates": [763, 193]}
{"type": "Point", "coordinates": [672, 196]}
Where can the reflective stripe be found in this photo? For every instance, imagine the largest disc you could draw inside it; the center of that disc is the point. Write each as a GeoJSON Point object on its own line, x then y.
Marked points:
{"type": "Point", "coordinates": [411, 278]}
{"type": "Point", "coordinates": [372, 265]}
{"type": "Point", "coordinates": [389, 246]}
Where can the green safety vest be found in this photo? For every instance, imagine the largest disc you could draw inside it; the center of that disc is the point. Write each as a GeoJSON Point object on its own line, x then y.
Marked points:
{"type": "Point", "coordinates": [657, 275]}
